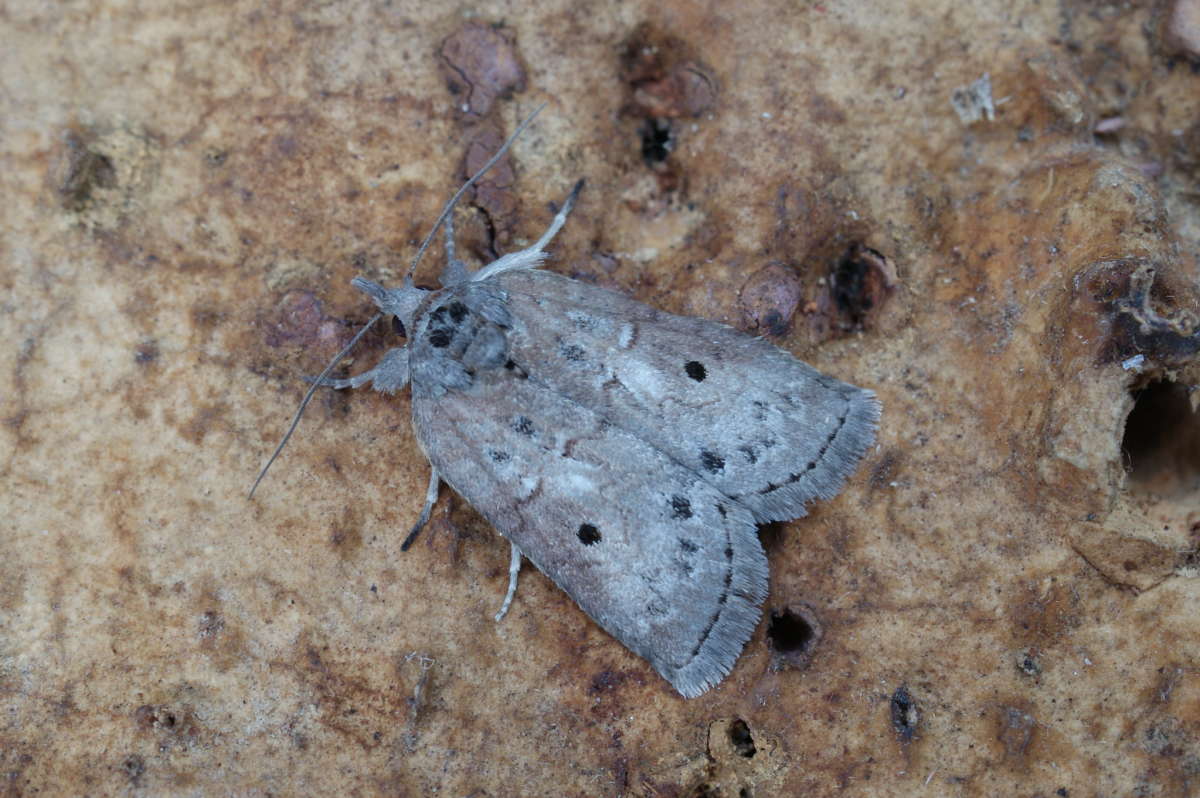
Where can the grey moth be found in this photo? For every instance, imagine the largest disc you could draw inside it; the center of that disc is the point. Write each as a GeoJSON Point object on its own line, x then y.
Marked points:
{"type": "Point", "coordinates": [628, 453]}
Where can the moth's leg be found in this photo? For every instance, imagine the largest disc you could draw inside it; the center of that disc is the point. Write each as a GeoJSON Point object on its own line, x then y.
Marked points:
{"type": "Point", "coordinates": [532, 257]}
{"type": "Point", "coordinates": [514, 567]}
{"type": "Point", "coordinates": [431, 494]}
{"type": "Point", "coordinates": [388, 377]}
{"type": "Point", "coordinates": [456, 271]}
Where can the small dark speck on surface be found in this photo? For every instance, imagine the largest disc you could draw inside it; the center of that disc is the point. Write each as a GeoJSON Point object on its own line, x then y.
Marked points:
{"type": "Point", "coordinates": [906, 716]}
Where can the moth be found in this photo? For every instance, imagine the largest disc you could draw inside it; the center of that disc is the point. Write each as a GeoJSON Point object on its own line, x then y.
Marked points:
{"type": "Point", "coordinates": [628, 453]}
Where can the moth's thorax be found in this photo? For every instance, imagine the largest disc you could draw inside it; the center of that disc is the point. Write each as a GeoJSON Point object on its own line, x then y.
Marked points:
{"type": "Point", "coordinates": [458, 334]}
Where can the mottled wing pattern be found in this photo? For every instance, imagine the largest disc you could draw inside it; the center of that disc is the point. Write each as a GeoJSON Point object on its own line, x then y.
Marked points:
{"type": "Point", "coordinates": [659, 557]}
{"type": "Point", "coordinates": [628, 453]}
{"type": "Point", "coordinates": [754, 422]}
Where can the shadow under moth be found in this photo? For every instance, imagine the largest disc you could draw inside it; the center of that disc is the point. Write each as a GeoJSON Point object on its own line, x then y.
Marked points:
{"type": "Point", "coordinates": [626, 452]}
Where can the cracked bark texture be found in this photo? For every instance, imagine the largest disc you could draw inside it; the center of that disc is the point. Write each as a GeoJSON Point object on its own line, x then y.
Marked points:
{"type": "Point", "coordinates": [1004, 601]}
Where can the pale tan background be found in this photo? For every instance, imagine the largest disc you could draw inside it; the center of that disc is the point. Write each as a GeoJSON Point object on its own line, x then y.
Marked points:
{"type": "Point", "coordinates": [991, 608]}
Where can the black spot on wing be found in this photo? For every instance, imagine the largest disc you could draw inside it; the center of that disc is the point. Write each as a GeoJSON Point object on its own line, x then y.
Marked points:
{"type": "Point", "coordinates": [572, 352]}
{"type": "Point", "coordinates": [588, 534]}
{"type": "Point", "coordinates": [695, 369]}
{"type": "Point", "coordinates": [439, 338]}
{"type": "Point", "coordinates": [681, 508]}
{"type": "Point", "coordinates": [712, 462]}
{"type": "Point", "coordinates": [458, 311]}
{"type": "Point", "coordinates": [523, 425]}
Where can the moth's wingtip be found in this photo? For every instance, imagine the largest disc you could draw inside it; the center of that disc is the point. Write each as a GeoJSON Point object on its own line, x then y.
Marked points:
{"type": "Point", "coordinates": [867, 411]}
{"type": "Point", "coordinates": [871, 404]}
{"type": "Point", "coordinates": [842, 458]}
{"type": "Point", "coordinates": [857, 436]}
{"type": "Point", "coordinates": [721, 652]}
{"type": "Point", "coordinates": [722, 645]}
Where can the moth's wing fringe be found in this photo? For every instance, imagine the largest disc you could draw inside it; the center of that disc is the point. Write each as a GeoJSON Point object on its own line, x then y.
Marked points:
{"type": "Point", "coordinates": [741, 616]}
{"type": "Point", "coordinates": [737, 621]}
{"type": "Point", "coordinates": [852, 441]}
{"type": "Point", "coordinates": [840, 460]}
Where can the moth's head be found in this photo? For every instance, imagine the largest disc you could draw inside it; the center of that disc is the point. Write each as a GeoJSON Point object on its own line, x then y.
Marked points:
{"type": "Point", "coordinates": [400, 302]}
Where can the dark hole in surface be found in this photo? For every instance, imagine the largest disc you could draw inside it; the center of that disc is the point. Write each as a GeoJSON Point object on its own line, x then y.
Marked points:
{"type": "Point", "coordinates": [588, 534]}
{"type": "Point", "coordinates": [86, 170]}
{"type": "Point", "coordinates": [657, 141]}
{"type": "Point", "coordinates": [788, 631]}
{"type": "Point", "coordinates": [740, 739]}
{"type": "Point", "coordinates": [849, 280]}
{"type": "Point", "coordinates": [1161, 444]}
{"type": "Point", "coordinates": [905, 715]}
{"type": "Point", "coordinates": [793, 633]}
{"type": "Point", "coordinates": [861, 280]}
{"type": "Point", "coordinates": [695, 370]}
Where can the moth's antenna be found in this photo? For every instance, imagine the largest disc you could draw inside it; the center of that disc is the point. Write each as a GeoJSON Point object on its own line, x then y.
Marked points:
{"type": "Point", "coordinates": [446, 211]}
{"type": "Point", "coordinates": [312, 389]}
{"type": "Point", "coordinates": [449, 208]}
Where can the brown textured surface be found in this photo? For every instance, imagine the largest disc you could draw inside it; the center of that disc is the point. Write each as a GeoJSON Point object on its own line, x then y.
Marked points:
{"type": "Point", "coordinates": [993, 607]}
